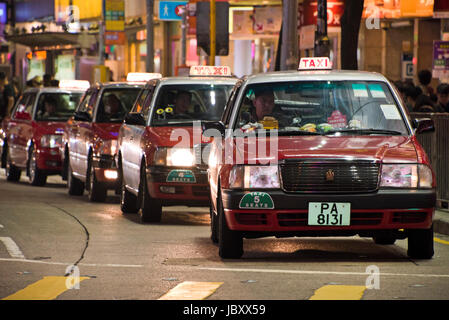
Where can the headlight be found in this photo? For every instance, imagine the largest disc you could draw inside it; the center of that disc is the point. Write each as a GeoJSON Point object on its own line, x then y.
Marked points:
{"type": "Point", "coordinates": [108, 147]}
{"type": "Point", "coordinates": [174, 157]}
{"type": "Point", "coordinates": [406, 176]}
{"type": "Point", "coordinates": [254, 177]}
{"type": "Point", "coordinates": [51, 141]}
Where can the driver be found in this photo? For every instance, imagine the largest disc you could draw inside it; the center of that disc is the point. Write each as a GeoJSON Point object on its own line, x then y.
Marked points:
{"type": "Point", "coordinates": [265, 108]}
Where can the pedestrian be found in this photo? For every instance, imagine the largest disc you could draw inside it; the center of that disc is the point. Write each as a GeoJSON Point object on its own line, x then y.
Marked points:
{"type": "Point", "coordinates": [423, 103]}
{"type": "Point", "coordinates": [411, 94]}
{"type": "Point", "coordinates": [47, 80]}
{"type": "Point", "coordinates": [424, 78]}
{"type": "Point", "coordinates": [6, 96]}
{"type": "Point", "coordinates": [443, 96]}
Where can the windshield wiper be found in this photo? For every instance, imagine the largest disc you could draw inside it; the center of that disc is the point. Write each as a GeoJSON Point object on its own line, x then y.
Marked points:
{"type": "Point", "coordinates": [297, 133]}
{"type": "Point", "coordinates": [366, 131]}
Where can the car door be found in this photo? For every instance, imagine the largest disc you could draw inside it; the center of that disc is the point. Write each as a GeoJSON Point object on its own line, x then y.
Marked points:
{"type": "Point", "coordinates": [17, 139]}
{"type": "Point", "coordinates": [131, 145]}
{"type": "Point", "coordinates": [78, 130]}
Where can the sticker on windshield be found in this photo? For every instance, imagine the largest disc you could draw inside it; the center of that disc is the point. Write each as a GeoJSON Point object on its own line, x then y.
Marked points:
{"type": "Point", "coordinates": [256, 200]}
{"type": "Point", "coordinates": [376, 91]}
{"type": "Point", "coordinates": [359, 90]}
{"type": "Point", "coordinates": [390, 112]}
{"type": "Point", "coordinates": [185, 176]}
{"type": "Point", "coordinates": [337, 120]}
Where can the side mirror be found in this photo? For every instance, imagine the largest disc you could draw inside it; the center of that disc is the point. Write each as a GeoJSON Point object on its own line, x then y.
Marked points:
{"type": "Point", "coordinates": [424, 125]}
{"type": "Point", "coordinates": [135, 119]}
{"type": "Point", "coordinates": [22, 115]}
{"type": "Point", "coordinates": [81, 116]}
{"type": "Point", "coordinates": [210, 129]}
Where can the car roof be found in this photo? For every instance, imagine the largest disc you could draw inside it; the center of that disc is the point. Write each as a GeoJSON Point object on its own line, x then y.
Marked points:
{"type": "Point", "coordinates": [52, 90]}
{"type": "Point", "coordinates": [320, 75]}
{"type": "Point", "coordinates": [198, 80]}
{"type": "Point", "coordinates": [119, 84]}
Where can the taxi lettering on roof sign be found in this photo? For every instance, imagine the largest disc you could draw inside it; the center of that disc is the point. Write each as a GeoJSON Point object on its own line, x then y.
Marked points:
{"type": "Point", "coordinates": [317, 63]}
{"type": "Point", "coordinates": [142, 76]}
{"type": "Point", "coordinates": [74, 84]}
{"type": "Point", "coordinates": [222, 71]}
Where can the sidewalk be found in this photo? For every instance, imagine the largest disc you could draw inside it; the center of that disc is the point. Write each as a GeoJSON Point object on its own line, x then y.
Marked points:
{"type": "Point", "coordinates": [441, 221]}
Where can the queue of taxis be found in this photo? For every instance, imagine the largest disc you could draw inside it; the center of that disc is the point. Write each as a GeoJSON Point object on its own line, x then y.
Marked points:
{"type": "Point", "coordinates": [157, 144]}
{"type": "Point", "coordinates": [336, 156]}
{"type": "Point", "coordinates": [90, 137]}
{"type": "Point", "coordinates": [31, 137]}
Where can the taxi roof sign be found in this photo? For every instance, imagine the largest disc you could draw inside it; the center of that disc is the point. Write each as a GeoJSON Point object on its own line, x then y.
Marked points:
{"type": "Point", "coordinates": [142, 76]}
{"type": "Point", "coordinates": [216, 71]}
{"type": "Point", "coordinates": [315, 63]}
{"type": "Point", "coordinates": [74, 84]}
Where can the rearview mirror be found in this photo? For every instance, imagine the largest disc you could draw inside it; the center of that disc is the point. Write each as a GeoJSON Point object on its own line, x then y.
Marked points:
{"type": "Point", "coordinates": [81, 116]}
{"type": "Point", "coordinates": [424, 125]}
{"type": "Point", "coordinates": [210, 129]}
{"type": "Point", "coordinates": [135, 119]}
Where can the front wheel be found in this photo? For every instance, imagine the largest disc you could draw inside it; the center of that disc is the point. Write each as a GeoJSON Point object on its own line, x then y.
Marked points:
{"type": "Point", "coordinates": [213, 225]}
{"type": "Point", "coordinates": [36, 176]}
{"type": "Point", "coordinates": [97, 191]}
{"type": "Point", "coordinates": [420, 243]}
{"type": "Point", "coordinates": [128, 201]}
{"type": "Point", "coordinates": [150, 208]}
{"type": "Point", "coordinates": [75, 186]}
{"type": "Point", "coordinates": [230, 243]}
{"type": "Point", "coordinates": [12, 172]}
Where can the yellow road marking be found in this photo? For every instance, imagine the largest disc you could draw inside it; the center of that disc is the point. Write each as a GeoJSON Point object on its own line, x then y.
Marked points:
{"type": "Point", "coordinates": [339, 292]}
{"type": "Point", "coordinates": [441, 241]}
{"type": "Point", "coordinates": [191, 290]}
{"type": "Point", "coordinates": [48, 288]}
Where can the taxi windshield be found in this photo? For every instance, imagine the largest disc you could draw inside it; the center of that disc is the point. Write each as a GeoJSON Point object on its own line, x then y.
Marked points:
{"type": "Point", "coordinates": [57, 106]}
{"type": "Point", "coordinates": [321, 107]}
{"type": "Point", "coordinates": [115, 104]}
{"type": "Point", "coordinates": [182, 104]}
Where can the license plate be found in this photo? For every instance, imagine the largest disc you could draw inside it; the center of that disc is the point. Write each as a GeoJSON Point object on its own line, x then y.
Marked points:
{"type": "Point", "coordinates": [329, 214]}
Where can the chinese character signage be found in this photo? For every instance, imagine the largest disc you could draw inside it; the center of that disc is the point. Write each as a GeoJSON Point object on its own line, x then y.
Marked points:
{"type": "Point", "coordinates": [440, 59]}
{"type": "Point", "coordinates": [114, 15]}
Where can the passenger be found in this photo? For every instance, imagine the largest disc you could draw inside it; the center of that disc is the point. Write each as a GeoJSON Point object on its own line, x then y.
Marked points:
{"type": "Point", "coordinates": [49, 107]}
{"type": "Point", "coordinates": [182, 103]}
{"type": "Point", "coordinates": [443, 97]}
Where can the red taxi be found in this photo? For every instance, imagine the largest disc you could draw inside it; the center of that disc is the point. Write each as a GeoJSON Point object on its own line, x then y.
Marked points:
{"type": "Point", "coordinates": [319, 152]}
{"type": "Point", "coordinates": [90, 137]}
{"type": "Point", "coordinates": [157, 142]}
{"type": "Point", "coordinates": [31, 137]}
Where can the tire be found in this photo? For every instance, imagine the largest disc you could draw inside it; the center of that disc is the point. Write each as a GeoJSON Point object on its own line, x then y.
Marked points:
{"type": "Point", "coordinates": [230, 243]}
{"type": "Point", "coordinates": [128, 201]}
{"type": "Point", "coordinates": [150, 209]}
{"type": "Point", "coordinates": [384, 240]}
{"type": "Point", "coordinates": [420, 243]}
{"type": "Point", "coordinates": [96, 191]}
{"type": "Point", "coordinates": [75, 186]}
{"type": "Point", "coordinates": [213, 225]}
{"type": "Point", "coordinates": [12, 172]}
{"type": "Point", "coordinates": [36, 176]}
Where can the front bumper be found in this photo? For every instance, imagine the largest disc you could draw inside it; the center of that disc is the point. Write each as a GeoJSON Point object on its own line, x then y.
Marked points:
{"type": "Point", "coordinates": [178, 191]}
{"type": "Point", "coordinates": [106, 170]}
{"type": "Point", "coordinates": [381, 210]}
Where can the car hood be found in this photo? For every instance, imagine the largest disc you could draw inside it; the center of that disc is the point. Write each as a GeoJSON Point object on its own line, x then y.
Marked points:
{"type": "Point", "coordinates": [49, 127]}
{"type": "Point", "coordinates": [399, 149]}
{"type": "Point", "coordinates": [176, 136]}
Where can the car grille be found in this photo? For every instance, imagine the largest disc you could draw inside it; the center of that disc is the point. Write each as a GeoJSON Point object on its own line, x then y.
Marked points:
{"type": "Point", "coordinates": [330, 176]}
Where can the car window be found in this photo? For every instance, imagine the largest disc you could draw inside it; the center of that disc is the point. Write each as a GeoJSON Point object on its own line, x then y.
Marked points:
{"type": "Point", "coordinates": [228, 109]}
{"type": "Point", "coordinates": [184, 103]}
{"type": "Point", "coordinates": [321, 107]}
{"type": "Point", "coordinates": [88, 102]}
{"type": "Point", "coordinates": [143, 102]}
{"type": "Point", "coordinates": [57, 106]}
{"type": "Point", "coordinates": [20, 107]}
{"type": "Point", "coordinates": [115, 104]}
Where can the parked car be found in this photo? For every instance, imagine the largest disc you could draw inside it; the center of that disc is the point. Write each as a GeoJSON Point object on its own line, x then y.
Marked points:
{"type": "Point", "coordinates": [156, 146]}
{"type": "Point", "coordinates": [344, 160]}
{"type": "Point", "coordinates": [90, 138]}
{"type": "Point", "coordinates": [31, 137]}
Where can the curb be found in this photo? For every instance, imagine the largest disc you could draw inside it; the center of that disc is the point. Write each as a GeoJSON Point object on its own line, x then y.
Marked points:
{"type": "Point", "coordinates": [441, 222]}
